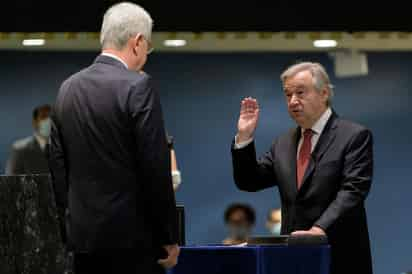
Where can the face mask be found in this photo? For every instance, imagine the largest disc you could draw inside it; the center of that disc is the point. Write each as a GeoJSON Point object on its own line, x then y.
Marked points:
{"type": "Point", "coordinates": [44, 128]}
{"type": "Point", "coordinates": [238, 232]}
{"type": "Point", "coordinates": [275, 229]}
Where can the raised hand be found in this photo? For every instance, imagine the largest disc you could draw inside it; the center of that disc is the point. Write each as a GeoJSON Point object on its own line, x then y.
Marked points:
{"type": "Point", "coordinates": [248, 119]}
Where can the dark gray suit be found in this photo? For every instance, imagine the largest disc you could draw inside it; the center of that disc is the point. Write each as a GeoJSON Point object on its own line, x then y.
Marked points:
{"type": "Point", "coordinates": [110, 163]}
{"type": "Point", "coordinates": [27, 157]}
{"type": "Point", "coordinates": [335, 185]}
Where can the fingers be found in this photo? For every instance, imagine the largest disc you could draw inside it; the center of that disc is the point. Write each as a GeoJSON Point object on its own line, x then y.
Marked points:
{"type": "Point", "coordinates": [249, 105]}
{"type": "Point", "coordinates": [300, 233]}
{"type": "Point", "coordinates": [168, 263]}
{"type": "Point", "coordinates": [171, 260]}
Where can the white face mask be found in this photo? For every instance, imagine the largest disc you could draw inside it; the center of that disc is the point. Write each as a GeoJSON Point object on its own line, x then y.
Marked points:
{"type": "Point", "coordinates": [275, 229]}
{"type": "Point", "coordinates": [44, 128]}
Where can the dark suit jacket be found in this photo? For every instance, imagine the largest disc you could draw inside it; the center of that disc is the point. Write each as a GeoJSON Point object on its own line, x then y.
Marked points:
{"type": "Point", "coordinates": [336, 183]}
{"type": "Point", "coordinates": [27, 157]}
{"type": "Point", "coordinates": [110, 162]}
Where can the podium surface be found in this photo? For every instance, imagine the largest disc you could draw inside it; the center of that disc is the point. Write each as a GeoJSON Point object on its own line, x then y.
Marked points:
{"type": "Point", "coordinates": [280, 259]}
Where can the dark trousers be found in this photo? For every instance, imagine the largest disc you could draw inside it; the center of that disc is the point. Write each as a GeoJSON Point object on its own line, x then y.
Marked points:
{"type": "Point", "coordinates": [115, 262]}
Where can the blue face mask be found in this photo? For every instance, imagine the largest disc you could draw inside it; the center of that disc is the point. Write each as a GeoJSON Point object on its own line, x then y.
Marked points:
{"type": "Point", "coordinates": [44, 128]}
{"type": "Point", "coordinates": [275, 229]}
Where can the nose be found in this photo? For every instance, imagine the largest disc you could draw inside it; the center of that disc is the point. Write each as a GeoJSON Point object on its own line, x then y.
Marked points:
{"type": "Point", "coordinates": [293, 100]}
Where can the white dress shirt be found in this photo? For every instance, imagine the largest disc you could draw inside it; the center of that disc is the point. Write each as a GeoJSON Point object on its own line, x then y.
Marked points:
{"type": "Point", "coordinates": [42, 142]}
{"type": "Point", "coordinates": [317, 129]}
{"type": "Point", "coordinates": [115, 57]}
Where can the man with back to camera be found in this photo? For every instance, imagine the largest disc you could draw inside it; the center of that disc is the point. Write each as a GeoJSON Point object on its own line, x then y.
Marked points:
{"type": "Point", "coordinates": [323, 168]}
{"type": "Point", "coordinates": [109, 156]}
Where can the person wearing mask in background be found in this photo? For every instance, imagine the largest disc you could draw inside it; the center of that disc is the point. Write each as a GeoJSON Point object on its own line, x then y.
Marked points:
{"type": "Point", "coordinates": [176, 175]}
{"type": "Point", "coordinates": [239, 220]}
{"type": "Point", "coordinates": [274, 221]}
{"type": "Point", "coordinates": [28, 156]}
{"type": "Point", "coordinates": [109, 159]}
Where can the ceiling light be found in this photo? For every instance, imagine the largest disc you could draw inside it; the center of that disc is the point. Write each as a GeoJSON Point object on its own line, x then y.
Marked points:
{"type": "Point", "coordinates": [175, 43]}
{"type": "Point", "coordinates": [33, 42]}
{"type": "Point", "coordinates": [325, 43]}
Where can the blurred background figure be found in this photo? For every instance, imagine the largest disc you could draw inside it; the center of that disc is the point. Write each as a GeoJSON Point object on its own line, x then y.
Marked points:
{"type": "Point", "coordinates": [176, 175]}
{"type": "Point", "coordinates": [274, 221]}
{"type": "Point", "coordinates": [28, 154]}
{"type": "Point", "coordinates": [239, 220]}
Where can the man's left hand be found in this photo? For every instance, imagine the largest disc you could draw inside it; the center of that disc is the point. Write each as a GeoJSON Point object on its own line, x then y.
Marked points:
{"type": "Point", "coordinates": [314, 231]}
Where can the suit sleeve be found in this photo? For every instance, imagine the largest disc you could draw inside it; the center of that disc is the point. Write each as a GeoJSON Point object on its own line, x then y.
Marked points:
{"type": "Point", "coordinates": [154, 162]}
{"type": "Point", "coordinates": [15, 165]}
{"type": "Point", "coordinates": [356, 182]}
{"type": "Point", "coordinates": [57, 166]}
{"type": "Point", "coordinates": [251, 174]}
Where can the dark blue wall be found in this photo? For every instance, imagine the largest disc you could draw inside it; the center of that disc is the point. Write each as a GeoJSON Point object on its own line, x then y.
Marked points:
{"type": "Point", "coordinates": [201, 95]}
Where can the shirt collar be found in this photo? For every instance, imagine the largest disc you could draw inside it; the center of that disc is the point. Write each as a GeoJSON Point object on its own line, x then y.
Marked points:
{"type": "Point", "coordinates": [40, 140]}
{"type": "Point", "coordinates": [115, 57]}
{"type": "Point", "coordinates": [318, 127]}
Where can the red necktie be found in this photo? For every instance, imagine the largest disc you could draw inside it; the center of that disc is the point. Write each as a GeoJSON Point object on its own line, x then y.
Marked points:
{"type": "Point", "coordinates": [304, 156]}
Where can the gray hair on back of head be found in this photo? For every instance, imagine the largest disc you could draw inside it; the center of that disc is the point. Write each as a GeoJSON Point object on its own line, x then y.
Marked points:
{"type": "Point", "coordinates": [123, 21]}
{"type": "Point", "coordinates": [320, 77]}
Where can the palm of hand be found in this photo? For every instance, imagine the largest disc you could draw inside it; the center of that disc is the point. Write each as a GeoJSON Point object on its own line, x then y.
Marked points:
{"type": "Point", "coordinates": [249, 115]}
{"type": "Point", "coordinates": [247, 121]}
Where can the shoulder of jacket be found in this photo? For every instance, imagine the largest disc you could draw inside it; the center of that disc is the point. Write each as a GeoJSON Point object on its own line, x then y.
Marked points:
{"type": "Point", "coordinates": [140, 79]}
{"type": "Point", "coordinates": [22, 143]}
{"type": "Point", "coordinates": [350, 125]}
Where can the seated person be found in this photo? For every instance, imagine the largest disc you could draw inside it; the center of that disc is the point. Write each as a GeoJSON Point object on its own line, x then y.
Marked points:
{"type": "Point", "coordinates": [240, 220]}
{"type": "Point", "coordinates": [274, 221]}
{"type": "Point", "coordinates": [28, 155]}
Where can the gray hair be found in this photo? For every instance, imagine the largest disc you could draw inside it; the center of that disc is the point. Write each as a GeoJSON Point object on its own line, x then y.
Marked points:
{"type": "Point", "coordinates": [319, 75]}
{"type": "Point", "coordinates": [123, 21]}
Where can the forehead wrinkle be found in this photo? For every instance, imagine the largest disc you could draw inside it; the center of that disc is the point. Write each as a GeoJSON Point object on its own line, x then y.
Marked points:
{"type": "Point", "coordinates": [288, 87]}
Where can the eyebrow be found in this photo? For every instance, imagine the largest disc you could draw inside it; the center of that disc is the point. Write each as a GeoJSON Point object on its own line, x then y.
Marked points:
{"type": "Point", "coordinates": [285, 89]}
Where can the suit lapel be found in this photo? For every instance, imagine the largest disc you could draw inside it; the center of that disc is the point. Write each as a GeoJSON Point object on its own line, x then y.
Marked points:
{"type": "Point", "coordinates": [35, 150]}
{"type": "Point", "coordinates": [292, 152]}
{"type": "Point", "coordinates": [109, 61]}
{"type": "Point", "coordinates": [35, 146]}
{"type": "Point", "coordinates": [325, 140]}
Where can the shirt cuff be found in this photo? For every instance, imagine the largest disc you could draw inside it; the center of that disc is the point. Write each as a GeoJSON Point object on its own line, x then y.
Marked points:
{"type": "Point", "coordinates": [242, 144]}
{"type": "Point", "coordinates": [176, 179]}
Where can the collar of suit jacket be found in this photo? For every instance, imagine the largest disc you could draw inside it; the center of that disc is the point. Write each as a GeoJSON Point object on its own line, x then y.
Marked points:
{"type": "Point", "coordinates": [320, 124]}
{"type": "Point", "coordinates": [104, 59]}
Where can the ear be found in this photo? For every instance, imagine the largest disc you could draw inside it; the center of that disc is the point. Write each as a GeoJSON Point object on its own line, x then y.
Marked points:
{"type": "Point", "coordinates": [325, 93]}
{"type": "Point", "coordinates": [136, 42]}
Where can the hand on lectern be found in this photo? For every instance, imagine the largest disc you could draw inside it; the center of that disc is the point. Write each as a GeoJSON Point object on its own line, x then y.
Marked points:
{"type": "Point", "coordinates": [314, 231]}
{"type": "Point", "coordinates": [248, 119]}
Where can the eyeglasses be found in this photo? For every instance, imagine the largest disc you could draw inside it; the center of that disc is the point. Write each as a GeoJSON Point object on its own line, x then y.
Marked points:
{"type": "Point", "coordinates": [150, 47]}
